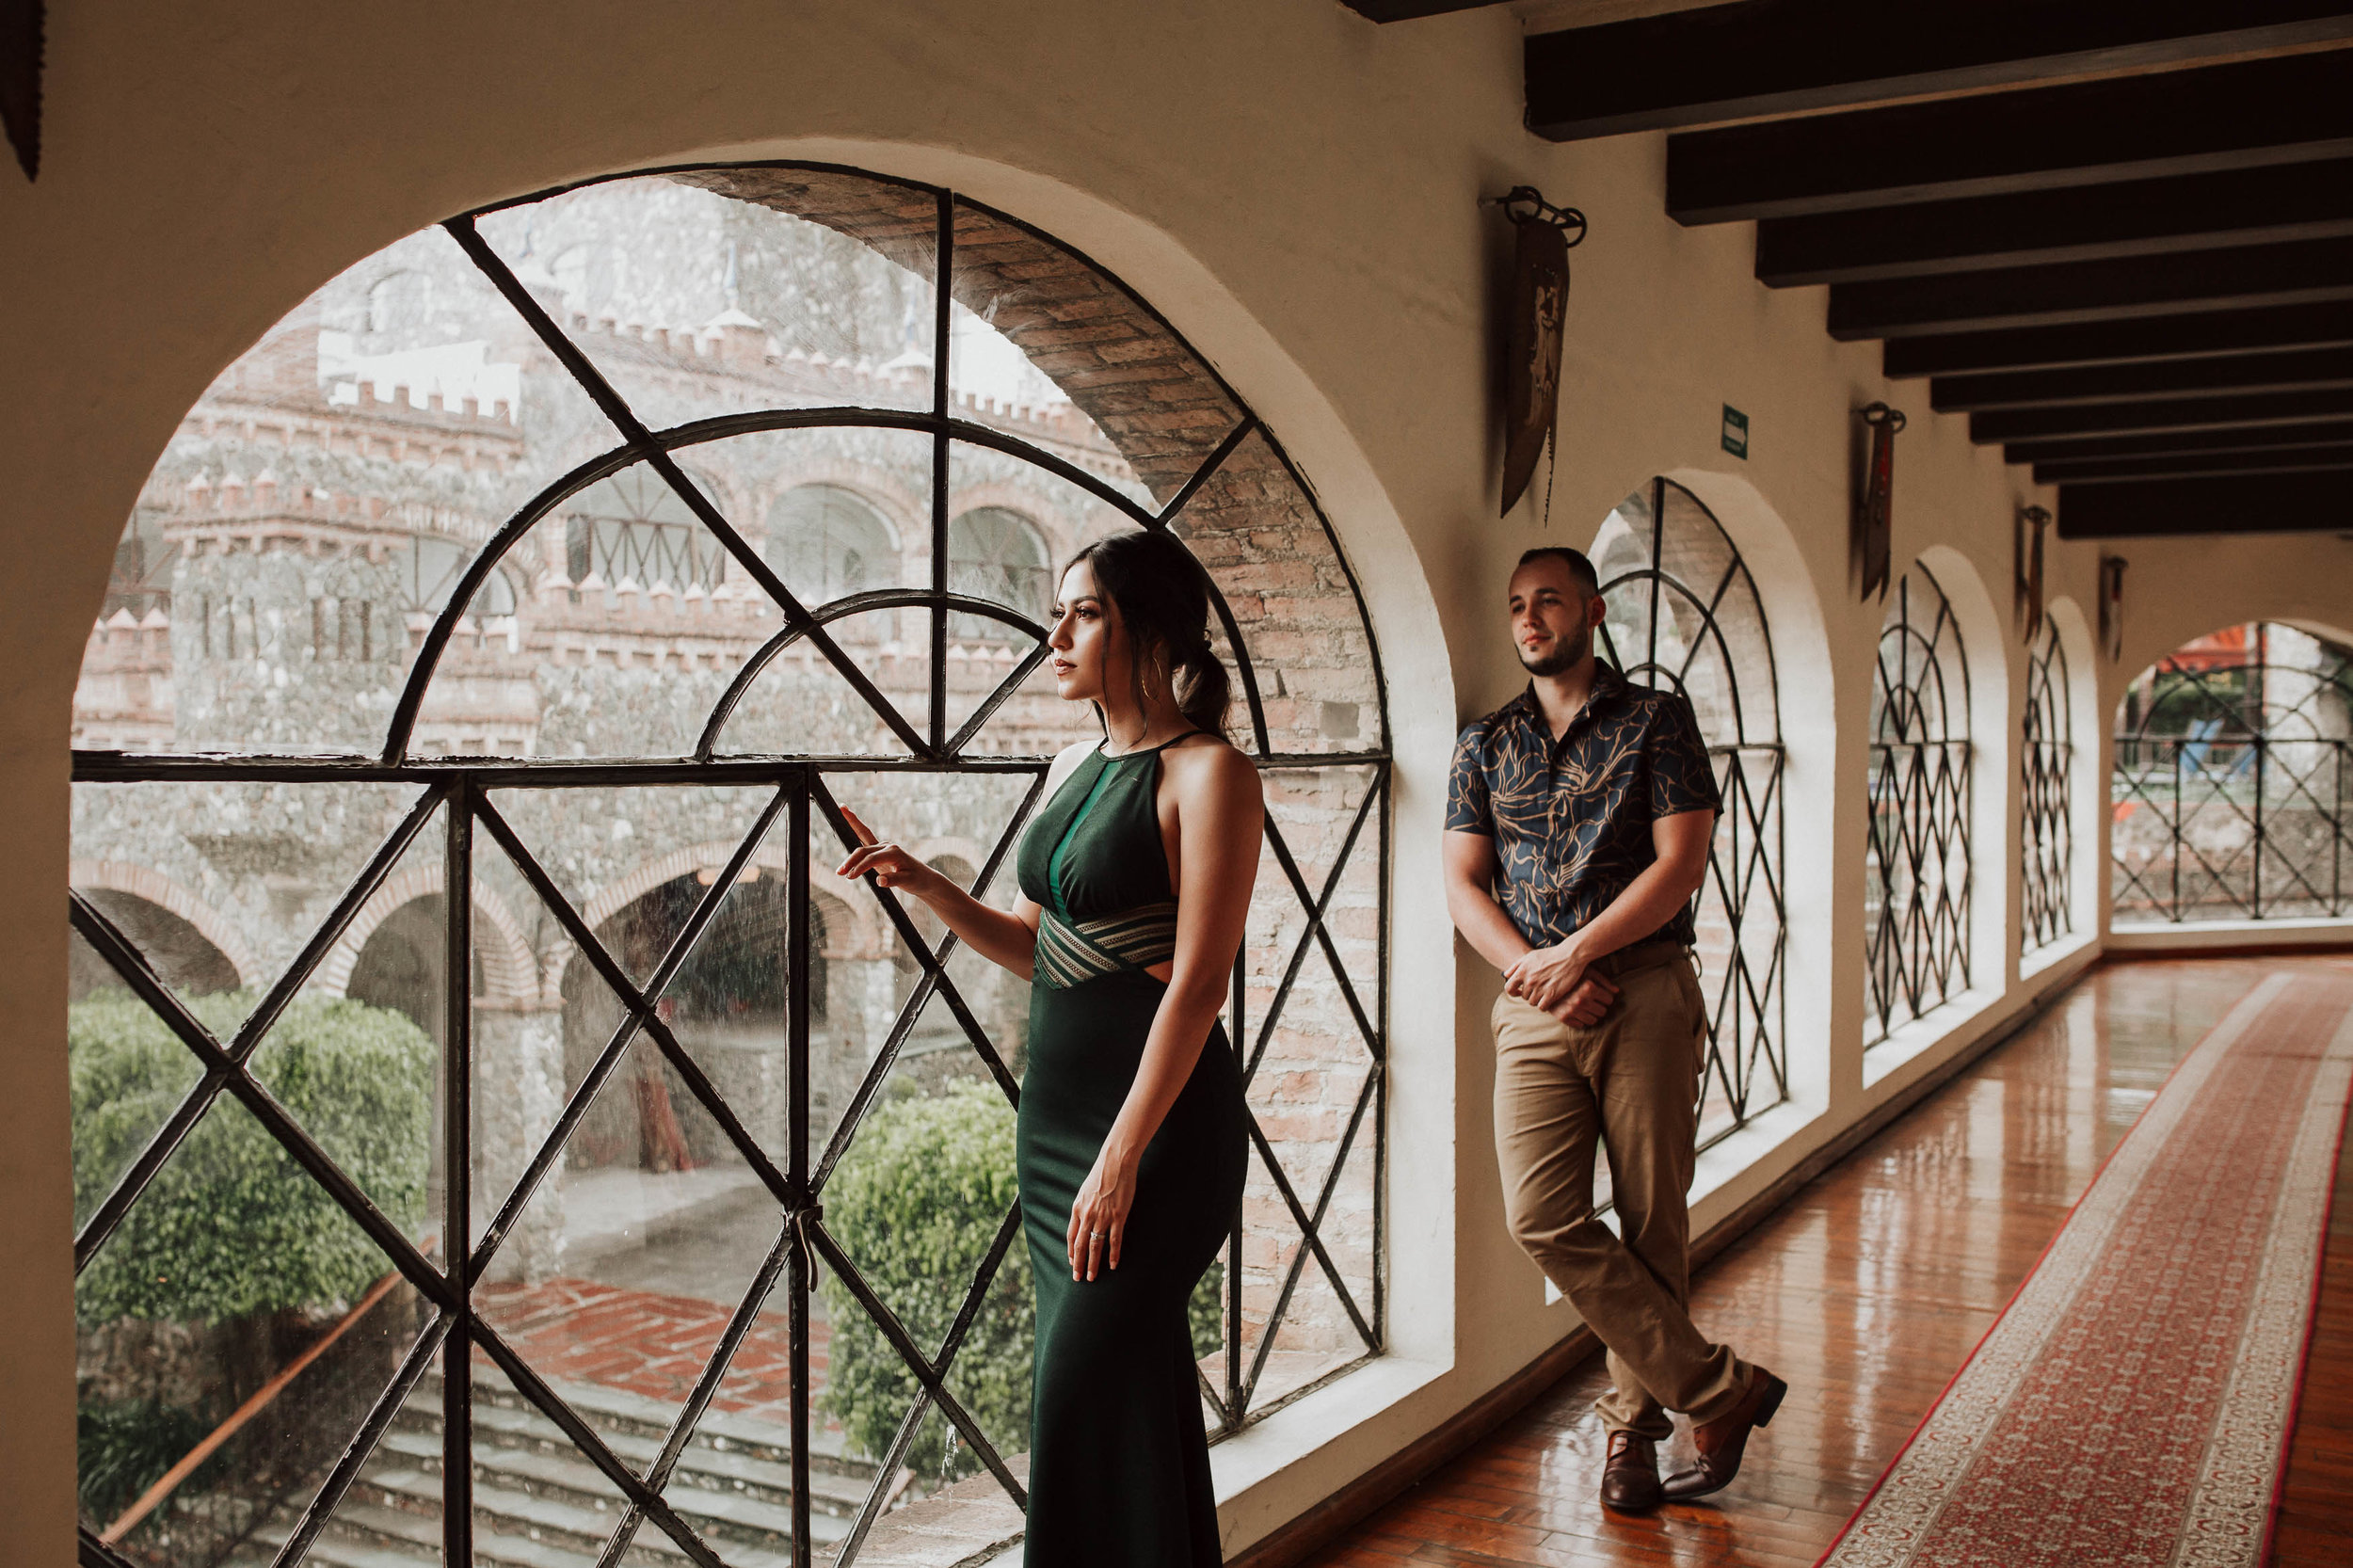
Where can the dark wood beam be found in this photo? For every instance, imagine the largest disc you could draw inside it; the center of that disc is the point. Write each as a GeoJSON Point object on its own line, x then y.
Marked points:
{"type": "Point", "coordinates": [2145, 338]}
{"type": "Point", "coordinates": [1407, 11]}
{"type": "Point", "coordinates": [2305, 369]}
{"type": "Point", "coordinates": [1759, 58]}
{"type": "Point", "coordinates": [2086, 223]}
{"type": "Point", "coordinates": [2172, 414]}
{"type": "Point", "coordinates": [2191, 465]}
{"type": "Point", "coordinates": [2295, 109]}
{"type": "Point", "coordinates": [2255, 504]}
{"type": "Point", "coordinates": [2301, 272]}
{"type": "Point", "coordinates": [2241, 437]}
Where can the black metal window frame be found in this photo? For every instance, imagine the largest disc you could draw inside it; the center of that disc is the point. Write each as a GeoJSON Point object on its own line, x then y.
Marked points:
{"type": "Point", "coordinates": [1747, 1035]}
{"type": "Point", "coordinates": [2244, 767]}
{"type": "Point", "coordinates": [1921, 792]}
{"type": "Point", "coordinates": [2046, 760]}
{"type": "Point", "coordinates": [460, 789]}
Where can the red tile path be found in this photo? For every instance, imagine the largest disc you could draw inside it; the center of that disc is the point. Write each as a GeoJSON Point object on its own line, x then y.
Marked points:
{"type": "Point", "coordinates": [647, 1344]}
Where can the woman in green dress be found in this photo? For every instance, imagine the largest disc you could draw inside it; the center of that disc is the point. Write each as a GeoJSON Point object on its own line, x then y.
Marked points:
{"type": "Point", "coordinates": [1135, 883]}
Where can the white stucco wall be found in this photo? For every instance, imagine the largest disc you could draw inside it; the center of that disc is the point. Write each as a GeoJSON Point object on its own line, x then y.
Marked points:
{"type": "Point", "coordinates": [1295, 189]}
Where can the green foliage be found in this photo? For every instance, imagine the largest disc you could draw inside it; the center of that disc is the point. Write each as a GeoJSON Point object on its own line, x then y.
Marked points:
{"type": "Point", "coordinates": [915, 1203]}
{"type": "Point", "coordinates": [122, 1449]}
{"type": "Point", "coordinates": [1205, 1312]}
{"type": "Point", "coordinates": [231, 1226]}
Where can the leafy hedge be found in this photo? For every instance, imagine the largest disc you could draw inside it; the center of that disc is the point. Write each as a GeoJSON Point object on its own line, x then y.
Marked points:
{"type": "Point", "coordinates": [915, 1203]}
{"type": "Point", "coordinates": [232, 1225]}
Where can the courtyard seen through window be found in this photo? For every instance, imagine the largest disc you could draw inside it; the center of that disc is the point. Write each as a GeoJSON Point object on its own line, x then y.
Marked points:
{"type": "Point", "coordinates": [594, 553]}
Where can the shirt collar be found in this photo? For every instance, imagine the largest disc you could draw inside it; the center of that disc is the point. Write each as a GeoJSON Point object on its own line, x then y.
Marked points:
{"type": "Point", "coordinates": [1608, 686]}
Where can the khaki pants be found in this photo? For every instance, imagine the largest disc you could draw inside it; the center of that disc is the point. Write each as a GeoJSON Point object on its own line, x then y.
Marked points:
{"type": "Point", "coordinates": [1628, 1086]}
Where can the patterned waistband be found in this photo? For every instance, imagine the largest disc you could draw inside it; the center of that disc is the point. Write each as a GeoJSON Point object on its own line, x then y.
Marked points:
{"type": "Point", "coordinates": [1074, 952]}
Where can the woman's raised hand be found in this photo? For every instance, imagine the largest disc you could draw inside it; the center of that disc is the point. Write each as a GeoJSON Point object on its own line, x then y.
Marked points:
{"type": "Point", "coordinates": [891, 865]}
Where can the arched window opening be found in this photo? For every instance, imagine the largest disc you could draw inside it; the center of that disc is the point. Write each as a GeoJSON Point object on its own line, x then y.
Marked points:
{"type": "Point", "coordinates": [1917, 860]}
{"type": "Point", "coordinates": [592, 1191]}
{"type": "Point", "coordinates": [1685, 616]}
{"type": "Point", "coordinates": [2232, 793]}
{"type": "Point", "coordinates": [2046, 797]}
{"type": "Point", "coordinates": [997, 554]}
{"type": "Point", "coordinates": [827, 544]}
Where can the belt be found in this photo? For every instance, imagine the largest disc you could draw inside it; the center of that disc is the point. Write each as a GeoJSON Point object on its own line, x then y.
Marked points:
{"type": "Point", "coordinates": [1642, 955]}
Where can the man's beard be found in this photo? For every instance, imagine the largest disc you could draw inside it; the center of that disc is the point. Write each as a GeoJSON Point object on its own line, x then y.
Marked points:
{"type": "Point", "coordinates": [1567, 654]}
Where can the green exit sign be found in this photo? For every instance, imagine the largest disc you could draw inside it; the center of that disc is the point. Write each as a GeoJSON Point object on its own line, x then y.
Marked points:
{"type": "Point", "coordinates": [1735, 431]}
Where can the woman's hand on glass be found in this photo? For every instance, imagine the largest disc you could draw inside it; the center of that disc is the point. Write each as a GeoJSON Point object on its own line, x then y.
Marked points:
{"type": "Point", "coordinates": [890, 866]}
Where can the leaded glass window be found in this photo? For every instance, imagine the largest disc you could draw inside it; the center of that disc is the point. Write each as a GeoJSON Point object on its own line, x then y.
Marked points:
{"type": "Point", "coordinates": [1916, 861]}
{"type": "Point", "coordinates": [2046, 764]}
{"type": "Point", "coordinates": [480, 1079]}
{"type": "Point", "coordinates": [2233, 782]}
{"type": "Point", "coordinates": [1685, 617]}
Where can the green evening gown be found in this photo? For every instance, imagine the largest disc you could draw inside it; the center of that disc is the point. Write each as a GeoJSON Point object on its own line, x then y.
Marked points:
{"type": "Point", "coordinates": [1119, 1460]}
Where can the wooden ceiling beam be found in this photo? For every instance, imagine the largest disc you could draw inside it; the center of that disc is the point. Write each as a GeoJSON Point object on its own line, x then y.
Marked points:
{"type": "Point", "coordinates": [2244, 438]}
{"type": "Point", "coordinates": [1713, 63]}
{"type": "Point", "coordinates": [2194, 465]}
{"type": "Point", "coordinates": [2173, 413]}
{"type": "Point", "coordinates": [2318, 502]}
{"type": "Point", "coordinates": [2307, 369]}
{"type": "Point", "coordinates": [2252, 114]}
{"type": "Point", "coordinates": [2303, 272]}
{"type": "Point", "coordinates": [2145, 338]}
{"type": "Point", "coordinates": [2140, 218]}
{"type": "Point", "coordinates": [1409, 10]}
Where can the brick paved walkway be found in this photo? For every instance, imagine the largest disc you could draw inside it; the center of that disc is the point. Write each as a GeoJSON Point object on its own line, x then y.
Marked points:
{"type": "Point", "coordinates": [648, 1344]}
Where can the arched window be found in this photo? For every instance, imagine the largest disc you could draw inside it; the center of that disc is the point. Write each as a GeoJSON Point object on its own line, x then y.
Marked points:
{"type": "Point", "coordinates": [1685, 617]}
{"type": "Point", "coordinates": [603, 1196]}
{"type": "Point", "coordinates": [2046, 794]}
{"type": "Point", "coordinates": [995, 554]}
{"type": "Point", "coordinates": [827, 544]}
{"type": "Point", "coordinates": [1916, 861]}
{"type": "Point", "coordinates": [2233, 771]}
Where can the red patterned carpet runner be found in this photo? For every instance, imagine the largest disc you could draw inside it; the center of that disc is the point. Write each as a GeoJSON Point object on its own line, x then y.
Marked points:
{"type": "Point", "coordinates": [2132, 1404]}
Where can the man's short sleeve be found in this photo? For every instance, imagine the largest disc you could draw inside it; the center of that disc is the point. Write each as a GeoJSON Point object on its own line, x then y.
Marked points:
{"type": "Point", "coordinates": [1682, 775]}
{"type": "Point", "coordinates": [1466, 807]}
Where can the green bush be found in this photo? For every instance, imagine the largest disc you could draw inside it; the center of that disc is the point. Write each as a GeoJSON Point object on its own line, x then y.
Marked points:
{"type": "Point", "coordinates": [915, 1203]}
{"type": "Point", "coordinates": [121, 1449]}
{"type": "Point", "coordinates": [232, 1226]}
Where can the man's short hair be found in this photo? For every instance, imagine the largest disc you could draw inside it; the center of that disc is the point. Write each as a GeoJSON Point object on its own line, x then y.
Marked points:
{"type": "Point", "coordinates": [1580, 568]}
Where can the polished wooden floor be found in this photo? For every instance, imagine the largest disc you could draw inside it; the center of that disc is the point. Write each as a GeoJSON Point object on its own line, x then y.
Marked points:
{"type": "Point", "coordinates": [1866, 1291]}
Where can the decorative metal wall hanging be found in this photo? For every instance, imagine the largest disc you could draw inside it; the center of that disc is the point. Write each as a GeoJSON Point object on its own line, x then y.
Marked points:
{"type": "Point", "coordinates": [1875, 521]}
{"type": "Point", "coordinates": [1537, 306]}
{"type": "Point", "coordinates": [2032, 520]}
{"type": "Point", "coordinates": [20, 80]}
{"type": "Point", "coordinates": [2112, 606]}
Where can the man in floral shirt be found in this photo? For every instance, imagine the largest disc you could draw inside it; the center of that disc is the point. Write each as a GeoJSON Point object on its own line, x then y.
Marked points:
{"type": "Point", "coordinates": [1578, 820]}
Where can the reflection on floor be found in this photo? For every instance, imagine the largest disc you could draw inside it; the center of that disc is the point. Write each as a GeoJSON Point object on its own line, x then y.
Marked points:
{"type": "Point", "coordinates": [1866, 1292]}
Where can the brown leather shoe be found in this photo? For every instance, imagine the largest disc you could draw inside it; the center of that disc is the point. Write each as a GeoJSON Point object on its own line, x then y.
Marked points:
{"type": "Point", "coordinates": [1721, 1441]}
{"type": "Point", "coordinates": [1629, 1482]}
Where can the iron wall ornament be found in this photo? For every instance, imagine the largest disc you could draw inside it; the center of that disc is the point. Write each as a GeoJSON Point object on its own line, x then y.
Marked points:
{"type": "Point", "coordinates": [1535, 313]}
{"type": "Point", "coordinates": [1874, 517]}
{"type": "Point", "coordinates": [2027, 584]}
{"type": "Point", "coordinates": [2232, 790]}
{"type": "Point", "coordinates": [2112, 606]}
{"type": "Point", "coordinates": [473, 818]}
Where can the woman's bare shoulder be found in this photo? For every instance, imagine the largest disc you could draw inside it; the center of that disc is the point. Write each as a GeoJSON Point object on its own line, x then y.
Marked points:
{"type": "Point", "coordinates": [1207, 761]}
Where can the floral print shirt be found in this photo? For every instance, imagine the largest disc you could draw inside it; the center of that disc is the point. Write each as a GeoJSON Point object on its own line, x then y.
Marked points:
{"type": "Point", "coordinates": [1571, 819]}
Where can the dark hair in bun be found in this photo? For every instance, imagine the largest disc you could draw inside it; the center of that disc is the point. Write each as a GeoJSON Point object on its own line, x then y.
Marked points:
{"type": "Point", "coordinates": [1163, 601]}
